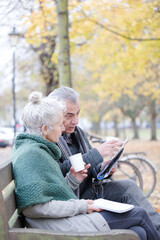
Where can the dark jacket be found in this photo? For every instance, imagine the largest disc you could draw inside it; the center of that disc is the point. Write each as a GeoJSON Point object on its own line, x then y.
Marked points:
{"type": "Point", "coordinates": [91, 156]}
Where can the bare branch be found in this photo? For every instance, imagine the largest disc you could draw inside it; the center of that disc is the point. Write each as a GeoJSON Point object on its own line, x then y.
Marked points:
{"type": "Point", "coordinates": [117, 33]}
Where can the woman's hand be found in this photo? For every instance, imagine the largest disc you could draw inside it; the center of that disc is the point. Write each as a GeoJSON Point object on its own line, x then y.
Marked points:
{"type": "Point", "coordinates": [91, 208]}
{"type": "Point", "coordinates": [81, 175]}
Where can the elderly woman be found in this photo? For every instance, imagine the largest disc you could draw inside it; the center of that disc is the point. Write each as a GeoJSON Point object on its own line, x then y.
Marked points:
{"type": "Point", "coordinates": [43, 196]}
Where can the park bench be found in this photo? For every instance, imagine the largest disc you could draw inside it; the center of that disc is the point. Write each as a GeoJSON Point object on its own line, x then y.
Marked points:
{"type": "Point", "coordinates": [12, 225]}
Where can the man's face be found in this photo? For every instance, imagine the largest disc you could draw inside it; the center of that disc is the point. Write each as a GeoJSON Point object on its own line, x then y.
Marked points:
{"type": "Point", "coordinates": [71, 116]}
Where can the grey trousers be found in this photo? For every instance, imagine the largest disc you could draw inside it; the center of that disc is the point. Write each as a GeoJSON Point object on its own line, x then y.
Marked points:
{"type": "Point", "coordinates": [126, 191]}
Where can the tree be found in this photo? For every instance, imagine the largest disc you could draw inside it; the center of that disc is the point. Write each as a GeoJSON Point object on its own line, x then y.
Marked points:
{"type": "Point", "coordinates": [132, 109]}
{"type": "Point", "coordinates": [153, 114]}
{"type": "Point", "coordinates": [49, 69]}
{"type": "Point", "coordinates": [123, 49]}
{"type": "Point", "coordinates": [117, 41]}
{"type": "Point", "coordinates": [42, 32]}
{"type": "Point", "coordinates": [64, 65]}
{"type": "Point", "coordinates": [41, 35]}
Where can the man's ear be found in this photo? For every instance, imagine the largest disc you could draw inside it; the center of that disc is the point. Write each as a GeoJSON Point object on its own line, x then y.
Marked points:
{"type": "Point", "coordinates": [44, 130]}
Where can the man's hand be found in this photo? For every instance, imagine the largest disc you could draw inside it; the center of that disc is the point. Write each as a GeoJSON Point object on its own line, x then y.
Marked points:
{"type": "Point", "coordinates": [114, 169]}
{"type": "Point", "coordinates": [91, 208]}
{"type": "Point", "coordinates": [108, 149]}
{"type": "Point", "coordinates": [81, 175]}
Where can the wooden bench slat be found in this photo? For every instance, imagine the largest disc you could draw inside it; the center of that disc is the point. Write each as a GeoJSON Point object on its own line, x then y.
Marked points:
{"type": "Point", "coordinates": [36, 234]}
{"type": "Point", "coordinates": [9, 199]}
{"type": "Point", "coordinates": [13, 219]}
{"type": "Point", "coordinates": [8, 190]}
{"type": "Point", "coordinates": [3, 220]}
{"type": "Point", "coordinates": [10, 205]}
{"type": "Point", "coordinates": [5, 174]}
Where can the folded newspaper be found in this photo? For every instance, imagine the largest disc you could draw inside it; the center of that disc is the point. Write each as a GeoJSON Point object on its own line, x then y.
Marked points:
{"type": "Point", "coordinates": [112, 206]}
{"type": "Point", "coordinates": [104, 173]}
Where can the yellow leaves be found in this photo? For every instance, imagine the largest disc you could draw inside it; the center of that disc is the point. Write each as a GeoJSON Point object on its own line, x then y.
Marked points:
{"type": "Point", "coordinates": [150, 88]}
{"type": "Point", "coordinates": [41, 23]}
{"type": "Point", "coordinates": [109, 116]}
{"type": "Point", "coordinates": [115, 88]}
{"type": "Point", "coordinates": [54, 58]}
{"type": "Point", "coordinates": [118, 65]}
{"type": "Point", "coordinates": [114, 64]}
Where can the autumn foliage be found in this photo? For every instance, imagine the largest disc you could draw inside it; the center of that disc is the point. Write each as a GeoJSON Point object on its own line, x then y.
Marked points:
{"type": "Point", "coordinates": [115, 53]}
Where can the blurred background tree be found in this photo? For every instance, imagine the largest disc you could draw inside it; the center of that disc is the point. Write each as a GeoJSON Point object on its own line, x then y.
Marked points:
{"type": "Point", "coordinates": [112, 59]}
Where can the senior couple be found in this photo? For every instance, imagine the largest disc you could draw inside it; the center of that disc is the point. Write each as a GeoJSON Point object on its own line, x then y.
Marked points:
{"type": "Point", "coordinates": [45, 182]}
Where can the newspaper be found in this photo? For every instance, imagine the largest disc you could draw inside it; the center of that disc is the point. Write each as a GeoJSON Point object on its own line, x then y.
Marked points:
{"type": "Point", "coordinates": [108, 167]}
{"type": "Point", "coordinates": [112, 206]}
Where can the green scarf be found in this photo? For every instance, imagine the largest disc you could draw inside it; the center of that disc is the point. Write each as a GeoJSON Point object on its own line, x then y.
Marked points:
{"type": "Point", "coordinates": [38, 178]}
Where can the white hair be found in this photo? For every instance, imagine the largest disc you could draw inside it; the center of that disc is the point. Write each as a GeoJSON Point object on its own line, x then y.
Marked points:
{"type": "Point", "coordinates": [41, 111]}
{"type": "Point", "coordinates": [65, 93]}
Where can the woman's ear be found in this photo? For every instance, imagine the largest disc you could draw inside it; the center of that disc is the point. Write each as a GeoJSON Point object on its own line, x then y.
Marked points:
{"type": "Point", "coordinates": [44, 130]}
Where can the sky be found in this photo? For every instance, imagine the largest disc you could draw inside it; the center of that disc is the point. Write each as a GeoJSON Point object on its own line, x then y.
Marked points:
{"type": "Point", "coordinates": [10, 16]}
{"type": "Point", "coordinates": [5, 59]}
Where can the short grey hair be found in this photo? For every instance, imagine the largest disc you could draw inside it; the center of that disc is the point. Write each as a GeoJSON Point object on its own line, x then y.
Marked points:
{"type": "Point", "coordinates": [41, 111]}
{"type": "Point", "coordinates": [65, 93]}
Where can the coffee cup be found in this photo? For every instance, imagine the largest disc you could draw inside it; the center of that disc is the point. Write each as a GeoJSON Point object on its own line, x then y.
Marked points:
{"type": "Point", "coordinates": [77, 162]}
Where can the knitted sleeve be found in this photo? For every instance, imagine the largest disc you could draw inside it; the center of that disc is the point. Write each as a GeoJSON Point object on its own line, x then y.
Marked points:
{"type": "Point", "coordinates": [71, 181]}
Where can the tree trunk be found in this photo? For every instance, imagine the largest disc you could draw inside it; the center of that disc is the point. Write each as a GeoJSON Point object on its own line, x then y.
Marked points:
{"type": "Point", "coordinates": [49, 69]}
{"type": "Point", "coordinates": [135, 129]}
{"type": "Point", "coordinates": [116, 126]}
{"type": "Point", "coordinates": [105, 128]}
{"type": "Point", "coordinates": [96, 127]}
{"type": "Point", "coordinates": [64, 66]}
{"type": "Point", "coordinates": [153, 114]}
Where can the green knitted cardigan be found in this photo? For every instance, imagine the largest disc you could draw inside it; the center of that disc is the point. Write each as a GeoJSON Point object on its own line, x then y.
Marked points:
{"type": "Point", "coordinates": [38, 178]}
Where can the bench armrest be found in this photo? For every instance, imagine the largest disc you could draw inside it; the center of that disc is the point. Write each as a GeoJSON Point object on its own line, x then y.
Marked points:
{"type": "Point", "coordinates": [29, 234]}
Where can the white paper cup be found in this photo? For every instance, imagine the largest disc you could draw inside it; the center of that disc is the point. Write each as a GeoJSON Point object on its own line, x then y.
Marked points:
{"type": "Point", "coordinates": [109, 138]}
{"type": "Point", "coordinates": [77, 162]}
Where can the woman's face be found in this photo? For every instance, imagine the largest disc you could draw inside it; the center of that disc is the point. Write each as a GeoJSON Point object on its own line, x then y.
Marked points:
{"type": "Point", "coordinates": [54, 134]}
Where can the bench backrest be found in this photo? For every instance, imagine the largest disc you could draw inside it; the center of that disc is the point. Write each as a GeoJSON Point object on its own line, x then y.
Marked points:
{"type": "Point", "coordinates": [8, 213]}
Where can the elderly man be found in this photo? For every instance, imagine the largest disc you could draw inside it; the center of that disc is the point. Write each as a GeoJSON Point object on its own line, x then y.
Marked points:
{"type": "Point", "coordinates": [73, 140]}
